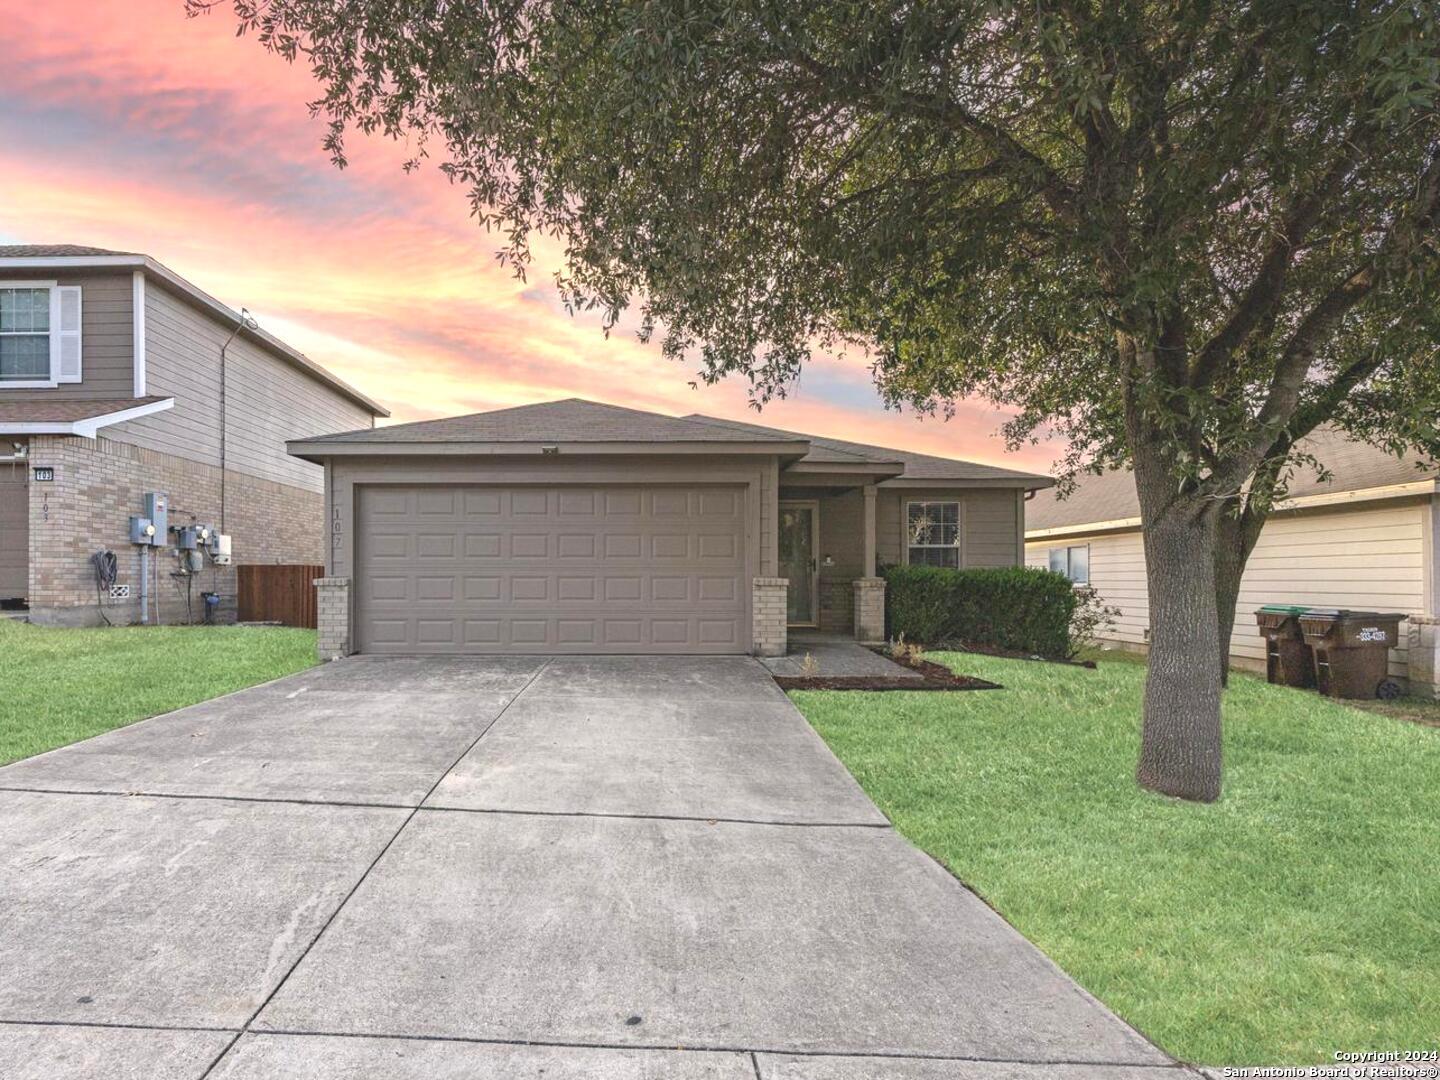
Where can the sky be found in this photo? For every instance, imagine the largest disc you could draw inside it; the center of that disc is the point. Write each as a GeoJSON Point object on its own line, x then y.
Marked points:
{"type": "Point", "coordinates": [126, 125]}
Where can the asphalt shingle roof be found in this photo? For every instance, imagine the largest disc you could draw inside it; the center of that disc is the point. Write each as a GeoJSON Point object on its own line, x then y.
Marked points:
{"type": "Point", "coordinates": [577, 420]}
{"type": "Point", "coordinates": [570, 420]}
{"type": "Point", "coordinates": [1355, 466]}
{"type": "Point", "coordinates": [54, 251]}
{"type": "Point", "coordinates": [917, 466]}
{"type": "Point", "coordinates": [41, 410]}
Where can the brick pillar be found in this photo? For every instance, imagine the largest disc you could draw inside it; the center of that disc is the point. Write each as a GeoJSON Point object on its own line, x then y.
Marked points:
{"type": "Point", "coordinates": [870, 610]}
{"type": "Point", "coordinates": [1424, 635]}
{"type": "Point", "coordinates": [332, 602]}
{"type": "Point", "coordinates": [767, 607]}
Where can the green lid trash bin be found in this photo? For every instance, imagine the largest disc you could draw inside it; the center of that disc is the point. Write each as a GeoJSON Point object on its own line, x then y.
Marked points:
{"type": "Point", "coordinates": [1352, 651]}
{"type": "Point", "coordinates": [1288, 659]}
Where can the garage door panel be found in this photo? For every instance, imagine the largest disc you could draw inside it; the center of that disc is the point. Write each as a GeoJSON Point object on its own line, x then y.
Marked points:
{"type": "Point", "coordinates": [561, 569]}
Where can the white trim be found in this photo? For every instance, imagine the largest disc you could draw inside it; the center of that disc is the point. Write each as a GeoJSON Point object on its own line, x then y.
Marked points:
{"type": "Point", "coordinates": [1302, 502]}
{"type": "Point", "coordinates": [86, 428]}
{"type": "Point", "coordinates": [34, 384]}
{"type": "Point", "coordinates": [68, 261]}
{"type": "Point", "coordinates": [137, 306]}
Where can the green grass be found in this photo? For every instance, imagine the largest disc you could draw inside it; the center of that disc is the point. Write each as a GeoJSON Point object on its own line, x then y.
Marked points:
{"type": "Point", "coordinates": [63, 685]}
{"type": "Point", "coordinates": [1295, 917]}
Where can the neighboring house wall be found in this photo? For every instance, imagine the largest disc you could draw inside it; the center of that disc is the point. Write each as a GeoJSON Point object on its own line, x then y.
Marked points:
{"type": "Point", "coordinates": [273, 503]}
{"type": "Point", "coordinates": [992, 523]}
{"type": "Point", "coordinates": [1372, 556]}
{"type": "Point", "coordinates": [98, 485]}
{"type": "Point", "coordinates": [107, 338]}
{"type": "Point", "coordinates": [267, 400]}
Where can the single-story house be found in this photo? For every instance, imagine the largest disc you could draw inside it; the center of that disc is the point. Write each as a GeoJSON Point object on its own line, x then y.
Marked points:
{"type": "Point", "coordinates": [121, 379]}
{"type": "Point", "coordinates": [577, 527]}
{"type": "Point", "coordinates": [1364, 539]}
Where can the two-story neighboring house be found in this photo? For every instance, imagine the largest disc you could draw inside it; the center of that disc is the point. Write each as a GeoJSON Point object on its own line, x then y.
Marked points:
{"type": "Point", "coordinates": [120, 378]}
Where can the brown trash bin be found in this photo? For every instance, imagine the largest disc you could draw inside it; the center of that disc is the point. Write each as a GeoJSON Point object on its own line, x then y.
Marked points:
{"type": "Point", "coordinates": [1352, 650]}
{"type": "Point", "coordinates": [1288, 660]}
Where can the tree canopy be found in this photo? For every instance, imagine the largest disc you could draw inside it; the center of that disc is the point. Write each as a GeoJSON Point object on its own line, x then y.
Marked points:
{"type": "Point", "coordinates": [981, 194]}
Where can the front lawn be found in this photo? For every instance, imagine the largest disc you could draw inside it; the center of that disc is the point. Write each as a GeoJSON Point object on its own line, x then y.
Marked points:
{"type": "Point", "coordinates": [1295, 917]}
{"type": "Point", "coordinates": [58, 686]}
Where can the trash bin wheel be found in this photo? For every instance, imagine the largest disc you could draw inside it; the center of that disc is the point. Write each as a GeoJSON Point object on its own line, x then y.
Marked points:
{"type": "Point", "coordinates": [1388, 690]}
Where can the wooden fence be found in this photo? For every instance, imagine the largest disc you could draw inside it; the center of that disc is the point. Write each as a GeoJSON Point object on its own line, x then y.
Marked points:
{"type": "Point", "coordinates": [283, 592]}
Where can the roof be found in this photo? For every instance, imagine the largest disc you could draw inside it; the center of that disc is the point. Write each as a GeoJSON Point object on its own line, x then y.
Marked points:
{"type": "Point", "coordinates": [80, 257]}
{"type": "Point", "coordinates": [1111, 497]}
{"type": "Point", "coordinates": [44, 416]}
{"type": "Point", "coordinates": [39, 410]}
{"type": "Point", "coordinates": [566, 421]}
{"type": "Point", "coordinates": [915, 467]}
{"type": "Point", "coordinates": [575, 421]}
{"type": "Point", "coordinates": [54, 251]}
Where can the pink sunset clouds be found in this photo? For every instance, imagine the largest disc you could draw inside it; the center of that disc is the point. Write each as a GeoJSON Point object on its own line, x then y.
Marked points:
{"type": "Point", "coordinates": [127, 125]}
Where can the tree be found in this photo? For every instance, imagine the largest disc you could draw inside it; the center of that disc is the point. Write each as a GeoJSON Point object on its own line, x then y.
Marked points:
{"type": "Point", "coordinates": [1179, 233]}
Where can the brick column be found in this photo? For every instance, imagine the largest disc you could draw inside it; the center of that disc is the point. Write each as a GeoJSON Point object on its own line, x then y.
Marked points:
{"type": "Point", "coordinates": [870, 610]}
{"type": "Point", "coordinates": [767, 607]}
{"type": "Point", "coordinates": [1424, 641]}
{"type": "Point", "coordinates": [332, 602]}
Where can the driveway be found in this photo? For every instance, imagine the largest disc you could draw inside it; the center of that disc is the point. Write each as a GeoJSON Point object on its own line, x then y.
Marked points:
{"type": "Point", "coordinates": [504, 868]}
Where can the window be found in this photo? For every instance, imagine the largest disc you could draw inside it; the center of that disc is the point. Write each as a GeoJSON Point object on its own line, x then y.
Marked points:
{"type": "Point", "coordinates": [933, 531]}
{"type": "Point", "coordinates": [39, 333]}
{"type": "Point", "coordinates": [1073, 562]}
{"type": "Point", "coordinates": [24, 334]}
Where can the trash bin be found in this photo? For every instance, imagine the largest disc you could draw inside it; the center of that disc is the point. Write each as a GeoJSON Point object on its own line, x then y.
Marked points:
{"type": "Point", "coordinates": [1352, 651]}
{"type": "Point", "coordinates": [1288, 660]}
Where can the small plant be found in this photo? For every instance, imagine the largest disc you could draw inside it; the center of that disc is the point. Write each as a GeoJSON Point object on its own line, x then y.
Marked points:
{"type": "Point", "coordinates": [1089, 618]}
{"type": "Point", "coordinates": [809, 666]}
{"type": "Point", "coordinates": [903, 651]}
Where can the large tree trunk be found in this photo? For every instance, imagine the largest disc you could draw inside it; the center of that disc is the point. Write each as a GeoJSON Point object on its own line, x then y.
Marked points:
{"type": "Point", "coordinates": [1180, 735]}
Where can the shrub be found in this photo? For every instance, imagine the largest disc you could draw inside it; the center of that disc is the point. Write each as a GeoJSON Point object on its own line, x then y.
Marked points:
{"type": "Point", "coordinates": [1012, 608]}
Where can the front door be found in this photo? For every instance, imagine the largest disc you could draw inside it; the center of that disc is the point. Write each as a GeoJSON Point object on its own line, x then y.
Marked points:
{"type": "Point", "coordinates": [798, 528]}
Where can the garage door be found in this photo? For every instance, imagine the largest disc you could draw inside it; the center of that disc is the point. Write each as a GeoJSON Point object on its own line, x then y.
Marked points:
{"type": "Point", "coordinates": [622, 569]}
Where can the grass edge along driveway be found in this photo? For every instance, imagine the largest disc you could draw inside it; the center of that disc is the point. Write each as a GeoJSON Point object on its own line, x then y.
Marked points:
{"type": "Point", "coordinates": [60, 685]}
{"type": "Point", "coordinates": [1293, 918]}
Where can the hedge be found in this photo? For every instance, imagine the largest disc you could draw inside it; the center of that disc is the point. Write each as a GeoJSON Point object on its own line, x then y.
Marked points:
{"type": "Point", "coordinates": [1011, 608]}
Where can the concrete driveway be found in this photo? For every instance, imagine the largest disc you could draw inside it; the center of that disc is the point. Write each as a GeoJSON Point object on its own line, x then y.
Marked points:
{"type": "Point", "coordinates": [503, 869]}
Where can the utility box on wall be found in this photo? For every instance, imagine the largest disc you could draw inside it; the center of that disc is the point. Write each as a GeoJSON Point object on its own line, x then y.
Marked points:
{"type": "Point", "coordinates": [157, 509]}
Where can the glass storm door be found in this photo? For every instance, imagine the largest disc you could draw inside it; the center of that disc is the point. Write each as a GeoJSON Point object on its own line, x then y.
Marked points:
{"type": "Point", "coordinates": [797, 560]}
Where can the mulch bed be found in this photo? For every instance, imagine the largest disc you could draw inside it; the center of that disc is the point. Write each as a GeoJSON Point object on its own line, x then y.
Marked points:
{"type": "Point", "coordinates": [936, 677]}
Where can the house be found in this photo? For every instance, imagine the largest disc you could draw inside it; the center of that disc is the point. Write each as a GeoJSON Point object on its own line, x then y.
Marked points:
{"type": "Point", "coordinates": [1365, 539]}
{"type": "Point", "coordinates": [576, 527]}
{"type": "Point", "coordinates": [119, 378]}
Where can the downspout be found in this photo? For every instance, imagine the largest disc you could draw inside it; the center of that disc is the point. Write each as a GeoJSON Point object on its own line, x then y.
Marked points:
{"type": "Point", "coordinates": [245, 322]}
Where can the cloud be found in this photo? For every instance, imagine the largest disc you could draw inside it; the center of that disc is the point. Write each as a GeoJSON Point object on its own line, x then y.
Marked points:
{"type": "Point", "coordinates": [130, 126]}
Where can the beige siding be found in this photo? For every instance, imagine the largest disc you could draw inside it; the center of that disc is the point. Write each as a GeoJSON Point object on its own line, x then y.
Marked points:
{"type": "Point", "coordinates": [267, 400]}
{"type": "Point", "coordinates": [1371, 556]}
{"type": "Point", "coordinates": [992, 523]}
{"type": "Point", "coordinates": [107, 338]}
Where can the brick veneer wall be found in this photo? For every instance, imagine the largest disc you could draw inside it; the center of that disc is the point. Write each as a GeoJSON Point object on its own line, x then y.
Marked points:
{"type": "Point", "coordinates": [332, 603]}
{"type": "Point", "coordinates": [768, 615]}
{"type": "Point", "coordinates": [837, 603]}
{"type": "Point", "coordinates": [869, 610]}
{"type": "Point", "coordinates": [98, 485]}
{"type": "Point", "coordinates": [1424, 657]}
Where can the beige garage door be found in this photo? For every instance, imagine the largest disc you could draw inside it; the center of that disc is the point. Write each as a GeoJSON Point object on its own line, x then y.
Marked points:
{"type": "Point", "coordinates": [615, 569]}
